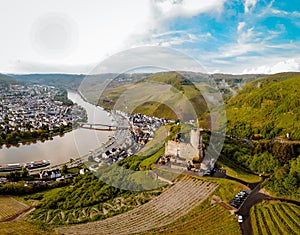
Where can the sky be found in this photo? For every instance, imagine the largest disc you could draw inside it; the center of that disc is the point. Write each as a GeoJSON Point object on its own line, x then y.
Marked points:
{"type": "Point", "coordinates": [224, 36]}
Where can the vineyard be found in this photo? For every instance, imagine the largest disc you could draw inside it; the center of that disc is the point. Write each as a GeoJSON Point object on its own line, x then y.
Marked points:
{"type": "Point", "coordinates": [214, 219]}
{"type": "Point", "coordinates": [275, 218]}
{"type": "Point", "coordinates": [172, 204]}
{"type": "Point", "coordinates": [21, 227]}
{"type": "Point", "coordinates": [10, 207]}
{"type": "Point", "coordinates": [60, 216]}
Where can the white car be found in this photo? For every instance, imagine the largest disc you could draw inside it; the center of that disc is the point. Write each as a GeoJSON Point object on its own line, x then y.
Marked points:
{"type": "Point", "coordinates": [240, 218]}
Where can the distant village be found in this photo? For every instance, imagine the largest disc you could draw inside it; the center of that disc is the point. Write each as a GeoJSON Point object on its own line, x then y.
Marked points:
{"type": "Point", "coordinates": [180, 155]}
{"type": "Point", "coordinates": [40, 109]}
{"type": "Point", "coordinates": [33, 107]}
{"type": "Point", "coordinates": [127, 142]}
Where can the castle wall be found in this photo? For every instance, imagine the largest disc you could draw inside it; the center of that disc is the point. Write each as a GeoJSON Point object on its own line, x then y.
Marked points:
{"type": "Point", "coordinates": [188, 152]}
{"type": "Point", "coordinates": [171, 148]}
{"type": "Point", "coordinates": [195, 138]}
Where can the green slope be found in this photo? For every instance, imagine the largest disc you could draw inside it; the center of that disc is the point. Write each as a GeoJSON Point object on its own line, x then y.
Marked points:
{"type": "Point", "coordinates": [268, 106]}
{"type": "Point", "coordinates": [69, 81]}
{"type": "Point", "coordinates": [167, 95]}
{"type": "Point", "coordinates": [6, 80]}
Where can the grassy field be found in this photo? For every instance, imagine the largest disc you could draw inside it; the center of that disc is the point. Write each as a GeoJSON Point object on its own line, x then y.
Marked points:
{"type": "Point", "coordinates": [10, 207]}
{"type": "Point", "coordinates": [21, 227]}
{"type": "Point", "coordinates": [156, 143]}
{"type": "Point", "coordinates": [227, 188]}
{"type": "Point", "coordinates": [236, 171]}
{"type": "Point", "coordinates": [275, 217]}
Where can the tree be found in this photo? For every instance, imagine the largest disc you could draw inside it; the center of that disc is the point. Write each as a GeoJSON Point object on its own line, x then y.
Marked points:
{"type": "Point", "coordinates": [90, 158]}
{"type": "Point", "coordinates": [263, 163]}
{"type": "Point", "coordinates": [64, 169]}
{"type": "Point", "coordinates": [290, 183]}
{"type": "Point", "coordinates": [14, 176]}
{"type": "Point", "coordinates": [24, 173]}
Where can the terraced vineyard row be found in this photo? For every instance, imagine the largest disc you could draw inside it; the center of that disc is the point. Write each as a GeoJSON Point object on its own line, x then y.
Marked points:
{"type": "Point", "coordinates": [10, 207]}
{"type": "Point", "coordinates": [99, 211]}
{"type": "Point", "coordinates": [213, 220]}
{"type": "Point", "coordinates": [162, 210]}
{"type": "Point", "coordinates": [275, 218]}
{"type": "Point", "coordinates": [21, 227]}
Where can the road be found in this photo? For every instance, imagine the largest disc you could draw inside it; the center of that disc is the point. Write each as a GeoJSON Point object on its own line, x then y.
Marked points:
{"type": "Point", "coordinates": [256, 197]}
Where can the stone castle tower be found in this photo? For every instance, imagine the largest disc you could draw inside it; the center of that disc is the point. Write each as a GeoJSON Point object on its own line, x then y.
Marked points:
{"type": "Point", "coordinates": [188, 151]}
{"type": "Point", "coordinates": [196, 141]}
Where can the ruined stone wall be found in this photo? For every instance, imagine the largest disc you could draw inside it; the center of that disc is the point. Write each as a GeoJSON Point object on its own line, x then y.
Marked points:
{"type": "Point", "coordinates": [171, 148]}
{"type": "Point", "coordinates": [195, 137]}
{"type": "Point", "coordinates": [188, 152]}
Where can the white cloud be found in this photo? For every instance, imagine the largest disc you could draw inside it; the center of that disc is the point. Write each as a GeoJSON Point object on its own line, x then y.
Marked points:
{"type": "Point", "coordinates": [66, 32]}
{"type": "Point", "coordinates": [247, 41]}
{"type": "Point", "coordinates": [139, 58]}
{"type": "Point", "coordinates": [241, 25]}
{"type": "Point", "coordinates": [171, 38]}
{"type": "Point", "coordinates": [54, 32]}
{"type": "Point", "coordinates": [247, 36]}
{"type": "Point", "coordinates": [249, 5]}
{"type": "Point", "coordinates": [186, 8]}
{"type": "Point", "coordinates": [284, 13]}
{"type": "Point", "coordinates": [238, 49]}
{"type": "Point", "coordinates": [283, 66]}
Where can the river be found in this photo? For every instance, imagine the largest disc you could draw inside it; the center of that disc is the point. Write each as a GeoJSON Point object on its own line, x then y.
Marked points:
{"type": "Point", "coordinates": [73, 144]}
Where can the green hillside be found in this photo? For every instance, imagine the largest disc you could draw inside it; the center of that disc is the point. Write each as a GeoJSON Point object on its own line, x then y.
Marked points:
{"type": "Point", "coordinates": [167, 95]}
{"type": "Point", "coordinates": [267, 107]}
{"type": "Point", "coordinates": [6, 80]}
{"type": "Point", "coordinates": [69, 81]}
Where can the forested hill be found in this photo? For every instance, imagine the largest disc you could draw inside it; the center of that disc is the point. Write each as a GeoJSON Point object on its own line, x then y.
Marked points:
{"type": "Point", "coordinates": [6, 80]}
{"type": "Point", "coordinates": [267, 107]}
{"type": "Point", "coordinates": [71, 81]}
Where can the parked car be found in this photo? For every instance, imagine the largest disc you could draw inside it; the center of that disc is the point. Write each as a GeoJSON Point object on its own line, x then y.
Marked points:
{"type": "Point", "coordinates": [240, 219]}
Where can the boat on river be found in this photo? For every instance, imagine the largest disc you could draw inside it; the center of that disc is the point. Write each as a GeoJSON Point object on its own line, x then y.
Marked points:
{"type": "Point", "coordinates": [37, 164]}
{"type": "Point", "coordinates": [11, 167]}
{"type": "Point", "coordinates": [29, 166]}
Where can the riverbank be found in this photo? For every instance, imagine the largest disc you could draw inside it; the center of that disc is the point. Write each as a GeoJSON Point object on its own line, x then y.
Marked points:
{"type": "Point", "coordinates": [74, 143]}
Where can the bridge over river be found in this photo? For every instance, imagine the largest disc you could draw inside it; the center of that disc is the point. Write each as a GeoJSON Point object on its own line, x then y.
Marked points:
{"type": "Point", "coordinates": [101, 127]}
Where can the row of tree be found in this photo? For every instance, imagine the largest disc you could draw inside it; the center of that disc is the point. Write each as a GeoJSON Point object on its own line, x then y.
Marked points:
{"type": "Point", "coordinates": [15, 137]}
{"type": "Point", "coordinates": [277, 160]}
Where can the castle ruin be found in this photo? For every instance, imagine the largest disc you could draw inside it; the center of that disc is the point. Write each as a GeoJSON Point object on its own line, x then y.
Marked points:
{"type": "Point", "coordinates": [181, 154]}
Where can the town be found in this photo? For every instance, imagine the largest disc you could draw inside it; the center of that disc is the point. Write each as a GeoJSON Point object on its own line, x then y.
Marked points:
{"type": "Point", "coordinates": [30, 108]}
{"type": "Point", "coordinates": [127, 142]}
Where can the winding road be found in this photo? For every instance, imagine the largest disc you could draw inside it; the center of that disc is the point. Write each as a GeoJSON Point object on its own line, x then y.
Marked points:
{"type": "Point", "coordinates": [253, 198]}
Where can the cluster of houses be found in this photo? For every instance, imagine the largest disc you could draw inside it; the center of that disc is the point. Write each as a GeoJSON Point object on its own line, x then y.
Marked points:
{"type": "Point", "coordinates": [48, 176]}
{"type": "Point", "coordinates": [112, 155]}
{"type": "Point", "coordinates": [143, 127]}
{"type": "Point", "coordinates": [32, 107]}
{"type": "Point", "coordinates": [126, 142]}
